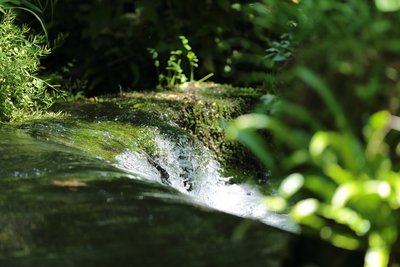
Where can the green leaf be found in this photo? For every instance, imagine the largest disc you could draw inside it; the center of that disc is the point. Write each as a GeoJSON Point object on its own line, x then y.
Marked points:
{"type": "Point", "coordinates": [300, 113]}
{"type": "Point", "coordinates": [256, 121]}
{"type": "Point", "coordinates": [277, 204]}
{"type": "Point", "coordinates": [320, 186]}
{"type": "Point", "coordinates": [319, 86]}
{"type": "Point", "coordinates": [388, 5]}
{"type": "Point", "coordinates": [344, 241]}
{"type": "Point", "coordinates": [291, 184]}
{"type": "Point", "coordinates": [346, 216]}
{"type": "Point", "coordinates": [375, 132]}
{"type": "Point", "coordinates": [344, 193]}
{"type": "Point", "coordinates": [338, 174]}
{"type": "Point", "coordinates": [378, 252]}
{"type": "Point", "coordinates": [304, 208]}
{"type": "Point", "coordinates": [297, 158]}
{"type": "Point", "coordinates": [258, 146]}
{"type": "Point", "coordinates": [332, 147]}
{"type": "Point", "coordinates": [379, 120]}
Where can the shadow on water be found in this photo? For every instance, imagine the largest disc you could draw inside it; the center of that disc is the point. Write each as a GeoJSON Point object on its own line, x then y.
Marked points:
{"type": "Point", "coordinates": [121, 223]}
{"type": "Point", "coordinates": [55, 215]}
{"type": "Point", "coordinates": [63, 202]}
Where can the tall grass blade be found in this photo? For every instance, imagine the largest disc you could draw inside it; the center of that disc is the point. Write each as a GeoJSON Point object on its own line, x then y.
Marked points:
{"type": "Point", "coordinates": [325, 93]}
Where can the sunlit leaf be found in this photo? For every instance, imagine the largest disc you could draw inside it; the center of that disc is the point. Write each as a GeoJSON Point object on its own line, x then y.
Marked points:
{"type": "Point", "coordinates": [343, 147]}
{"type": "Point", "coordinates": [388, 5]}
{"type": "Point", "coordinates": [381, 188]}
{"type": "Point", "coordinates": [379, 120]}
{"type": "Point", "coordinates": [312, 221]}
{"type": "Point", "coordinates": [304, 208]}
{"type": "Point", "coordinates": [338, 174]}
{"type": "Point", "coordinates": [378, 253]}
{"type": "Point", "coordinates": [345, 242]}
{"type": "Point", "coordinates": [394, 180]}
{"type": "Point", "coordinates": [256, 121]}
{"type": "Point", "coordinates": [343, 193]}
{"type": "Point", "coordinates": [318, 144]}
{"type": "Point", "coordinates": [298, 157]}
{"type": "Point", "coordinates": [353, 190]}
{"type": "Point", "coordinates": [347, 217]}
{"type": "Point", "coordinates": [291, 184]}
{"type": "Point", "coordinates": [320, 186]}
{"type": "Point", "coordinates": [249, 121]}
{"type": "Point", "coordinates": [384, 169]}
{"type": "Point", "coordinates": [375, 132]}
{"type": "Point", "coordinates": [244, 129]}
{"type": "Point", "coordinates": [277, 204]}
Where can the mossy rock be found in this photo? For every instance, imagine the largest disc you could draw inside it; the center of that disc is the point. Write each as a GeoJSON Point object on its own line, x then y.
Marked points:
{"type": "Point", "coordinates": [202, 110]}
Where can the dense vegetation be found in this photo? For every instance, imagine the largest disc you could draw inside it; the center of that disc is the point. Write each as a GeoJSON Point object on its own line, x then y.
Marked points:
{"type": "Point", "coordinates": [104, 44]}
{"type": "Point", "coordinates": [22, 91]}
{"type": "Point", "coordinates": [334, 124]}
{"type": "Point", "coordinates": [329, 70]}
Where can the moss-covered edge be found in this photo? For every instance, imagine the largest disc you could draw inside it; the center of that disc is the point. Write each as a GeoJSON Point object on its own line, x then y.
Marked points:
{"type": "Point", "coordinates": [200, 109]}
{"type": "Point", "coordinates": [203, 110]}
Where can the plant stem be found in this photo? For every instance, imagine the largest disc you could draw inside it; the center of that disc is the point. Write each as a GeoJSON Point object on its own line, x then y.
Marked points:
{"type": "Point", "coordinates": [206, 77]}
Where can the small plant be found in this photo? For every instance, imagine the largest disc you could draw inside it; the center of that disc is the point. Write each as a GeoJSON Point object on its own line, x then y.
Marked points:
{"type": "Point", "coordinates": [191, 56]}
{"type": "Point", "coordinates": [282, 50]}
{"type": "Point", "coordinates": [174, 73]}
{"type": "Point", "coordinates": [22, 92]}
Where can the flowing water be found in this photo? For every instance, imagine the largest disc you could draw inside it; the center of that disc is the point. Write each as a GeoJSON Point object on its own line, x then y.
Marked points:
{"type": "Point", "coordinates": [120, 190]}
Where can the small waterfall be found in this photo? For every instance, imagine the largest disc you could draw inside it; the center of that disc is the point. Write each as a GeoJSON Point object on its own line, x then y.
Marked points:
{"type": "Point", "coordinates": [189, 167]}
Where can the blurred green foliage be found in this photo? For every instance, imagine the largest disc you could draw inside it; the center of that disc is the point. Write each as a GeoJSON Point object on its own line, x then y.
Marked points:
{"type": "Point", "coordinates": [333, 125]}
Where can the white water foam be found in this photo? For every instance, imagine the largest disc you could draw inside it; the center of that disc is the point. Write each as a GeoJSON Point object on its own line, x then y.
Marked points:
{"type": "Point", "coordinates": [191, 169]}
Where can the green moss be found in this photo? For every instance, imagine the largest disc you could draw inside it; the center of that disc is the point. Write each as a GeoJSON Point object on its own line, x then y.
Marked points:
{"type": "Point", "coordinates": [203, 110]}
{"type": "Point", "coordinates": [102, 139]}
{"type": "Point", "coordinates": [107, 126]}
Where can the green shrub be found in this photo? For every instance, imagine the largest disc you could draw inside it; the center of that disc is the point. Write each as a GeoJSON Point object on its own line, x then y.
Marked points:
{"type": "Point", "coordinates": [22, 92]}
{"type": "Point", "coordinates": [33, 8]}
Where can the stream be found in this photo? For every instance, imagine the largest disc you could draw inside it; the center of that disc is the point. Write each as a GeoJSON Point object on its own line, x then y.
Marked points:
{"type": "Point", "coordinates": [122, 190]}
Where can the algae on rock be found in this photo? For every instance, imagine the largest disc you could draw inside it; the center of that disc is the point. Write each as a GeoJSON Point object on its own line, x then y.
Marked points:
{"type": "Point", "coordinates": [203, 110]}
{"type": "Point", "coordinates": [108, 126]}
